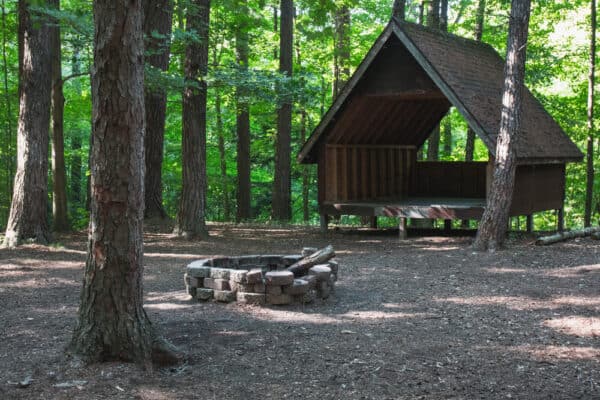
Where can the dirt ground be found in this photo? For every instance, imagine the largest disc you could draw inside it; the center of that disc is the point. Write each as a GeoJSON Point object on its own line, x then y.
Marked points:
{"type": "Point", "coordinates": [422, 319]}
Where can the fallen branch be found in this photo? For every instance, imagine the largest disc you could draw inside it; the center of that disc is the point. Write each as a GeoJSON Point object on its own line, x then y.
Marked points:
{"type": "Point", "coordinates": [319, 257]}
{"type": "Point", "coordinates": [562, 236]}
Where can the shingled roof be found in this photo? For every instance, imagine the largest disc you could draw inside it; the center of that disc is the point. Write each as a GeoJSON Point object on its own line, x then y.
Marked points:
{"type": "Point", "coordinates": [456, 71]}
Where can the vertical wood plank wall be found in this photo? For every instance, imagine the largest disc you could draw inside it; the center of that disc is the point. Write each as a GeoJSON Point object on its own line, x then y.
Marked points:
{"type": "Point", "coordinates": [367, 172]}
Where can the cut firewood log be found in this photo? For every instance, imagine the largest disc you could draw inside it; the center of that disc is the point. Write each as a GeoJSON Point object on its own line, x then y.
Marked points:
{"type": "Point", "coordinates": [319, 257]}
{"type": "Point", "coordinates": [562, 236]}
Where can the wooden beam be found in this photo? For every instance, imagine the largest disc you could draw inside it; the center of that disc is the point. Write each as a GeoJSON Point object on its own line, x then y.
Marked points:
{"type": "Point", "coordinates": [403, 228]}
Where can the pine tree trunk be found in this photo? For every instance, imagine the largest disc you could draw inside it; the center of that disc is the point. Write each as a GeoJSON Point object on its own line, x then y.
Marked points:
{"type": "Point", "coordinates": [28, 217]}
{"type": "Point", "coordinates": [447, 135]}
{"type": "Point", "coordinates": [444, 15]}
{"type": "Point", "coordinates": [243, 118]}
{"type": "Point", "coordinates": [158, 17]}
{"type": "Point", "coordinates": [433, 14]}
{"type": "Point", "coordinates": [112, 324]}
{"type": "Point", "coordinates": [8, 116]}
{"type": "Point", "coordinates": [492, 229]}
{"type": "Point", "coordinates": [480, 18]}
{"type": "Point", "coordinates": [341, 70]}
{"type": "Point", "coordinates": [433, 21]}
{"type": "Point", "coordinates": [282, 183]}
{"type": "Point", "coordinates": [191, 217]}
{"type": "Point", "coordinates": [76, 162]}
{"type": "Point", "coordinates": [589, 193]}
{"type": "Point", "coordinates": [59, 173]}
{"type": "Point", "coordinates": [305, 172]}
{"type": "Point", "coordinates": [222, 157]}
{"type": "Point", "coordinates": [399, 9]}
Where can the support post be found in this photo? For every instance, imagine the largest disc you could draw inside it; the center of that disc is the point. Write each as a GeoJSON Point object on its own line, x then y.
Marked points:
{"type": "Point", "coordinates": [447, 225]}
{"type": "Point", "coordinates": [324, 222]}
{"type": "Point", "coordinates": [374, 222]}
{"type": "Point", "coordinates": [403, 228]}
{"type": "Point", "coordinates": [561, 219]}
{"type": "Point", "coordinates": [530, 223]}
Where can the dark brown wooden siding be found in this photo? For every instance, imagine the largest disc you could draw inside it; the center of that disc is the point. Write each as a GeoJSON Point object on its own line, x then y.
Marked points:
{"type": "Point", "coordinates": [538, 188]}
{"type": "Point", "coordinates": [361, 172]}
{"type": "Point", "coordinates": [449, 179]}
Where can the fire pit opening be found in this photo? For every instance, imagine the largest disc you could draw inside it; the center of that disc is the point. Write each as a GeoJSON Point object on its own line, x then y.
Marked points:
{"type": "Point", "coordinates": [264, 279]}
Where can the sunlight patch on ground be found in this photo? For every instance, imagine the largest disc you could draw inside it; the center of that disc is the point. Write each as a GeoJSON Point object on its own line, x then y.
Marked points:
{"type": "Point", "coordinates": [574, 272]}
{"type": "Point", "coordinates": [506, 270]}
{"type": "Point", "coordinates": [174, 255]}
{"type": "Point", "coordinates": [38, 283]}
{"type": "Point", "coordinates": [548, 353]}
{"type": "Point", "coordinates": [553, 353]}
{"type": "Point", "coordinates": [167, 306]}
{"type": "Point", "coordinates": [29, 265]}
{"type": "Point", "coordinates": [523, 303]}
{"type": "Point", "coordinates": [441, 248]}
{"type": "Point", "coordinates": [317, 318]}
{"type": "Point", "coordinates": [575, 325]}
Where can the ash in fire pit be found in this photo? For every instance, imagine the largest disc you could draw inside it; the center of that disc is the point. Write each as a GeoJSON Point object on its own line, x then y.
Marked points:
{"type": "Point", "coordinates": [264, 279]}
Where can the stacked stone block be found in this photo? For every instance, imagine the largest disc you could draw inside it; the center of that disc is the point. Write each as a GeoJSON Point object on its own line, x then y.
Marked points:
{"type": "Point", "coordinates": [258, 280]}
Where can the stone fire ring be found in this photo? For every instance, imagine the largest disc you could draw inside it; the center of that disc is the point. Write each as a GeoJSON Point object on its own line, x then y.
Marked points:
{"type": "Point", "coordinates": [258, 280]}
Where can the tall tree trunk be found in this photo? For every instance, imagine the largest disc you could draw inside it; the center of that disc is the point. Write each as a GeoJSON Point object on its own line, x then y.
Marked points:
{"type": "Point", "coordinates": [589, 192]}
{"type": "Point", "coordinates": [222, 157]}
{"type": "Point", "coordinates": [59, 173]}
{"type": "Point", "coordinates": [275, 30]}
{"type": "Point", "coordinates": [76, 162]}
{"type": "Point", "coordinates": [470, 145]}
{"type": "Point", "coordinates": [305, 172]}
{"type": "Point", "coordinates": [399, 9]}
{"type": "Point", "coordinates": [192, 208]}
{"type": "Point", "coordinates": [421, 17]}
{"type": "Point", "coordinates": [433, 21]}
{"type": "Point", "coordinates": [282, 183]}
{"type": "Point", "coordinates": [158, 17]}
{"type": "Point", "coordinates": [447, 135]}
{"type": "Point", "coordinates": [444, 15]}
{"type": "Point", "coordinates": [112, 324]}
{"type": "Point", "coordinates": [492, 229]}
{"type": "Point", "coordinates": [341, 68]}
{"type": "Point", "coordinates": [8, 115]}
{"type": "Point", "coordinates": [28, 217]}
{"type": "Point", "coordinates": [242, 118]}
{"type": "Point", "coordinates": [433, 14]}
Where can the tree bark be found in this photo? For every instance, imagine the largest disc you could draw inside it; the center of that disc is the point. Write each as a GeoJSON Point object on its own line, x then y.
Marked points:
{"type": "Point", "coordinates": [399, 9]}
{"type": "Point", "coordinates": [8, 116]}
{"type": "Point", "coordinates": [589, 192]}
{"type": "Point", "coordinates": [433, 14]}
{"type": "Point", "coordinates": [28, 217]}
{"type": "Point", "coordinates": [492, 229]}
{"type": "Point", "coordinates": [158, 17]}
{"type": "Point", "coordinates": [282, 182]}
{"type": "Point", "coordinates": [59, 173]}
{"type": "Point", "coordinates": [447, 135]}
{"type": "Point", "coordinates": [305, 173]}
{"type": "Point", "coordinates": [480, 19]}
{"type": "Point", "coordinates": [76, 162]}
{"type": "Point", "coordinates": [191, 217]}
{"type": "Point", "coordinates": [242, 118]}
{"type": "Point", "coordinates": [444, 15]}
{"type": "Point", "coordinates": [421, 17]}
{"type": "Point", "coordinates": [341, 70]}
{"type": "Point", "coordinates": [222, 157]}
{"type": "Point", "coordinates": [112, 324]}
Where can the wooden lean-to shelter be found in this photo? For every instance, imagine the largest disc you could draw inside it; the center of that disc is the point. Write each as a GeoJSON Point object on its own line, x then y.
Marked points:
{"type": "Point", "coordinates": [366, 145]}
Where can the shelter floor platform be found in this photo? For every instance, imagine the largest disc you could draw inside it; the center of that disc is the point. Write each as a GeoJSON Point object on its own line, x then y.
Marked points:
{"type": "Point", "coordinates": [410, 207]}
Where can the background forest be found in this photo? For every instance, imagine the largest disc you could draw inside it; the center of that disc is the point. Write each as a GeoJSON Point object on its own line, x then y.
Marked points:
{"type": "Point", "coordinates": [330, 38]}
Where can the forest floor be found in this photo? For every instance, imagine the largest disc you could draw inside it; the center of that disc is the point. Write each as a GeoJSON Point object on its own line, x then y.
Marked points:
{"type": "Point", "coordinates": [422, 319]}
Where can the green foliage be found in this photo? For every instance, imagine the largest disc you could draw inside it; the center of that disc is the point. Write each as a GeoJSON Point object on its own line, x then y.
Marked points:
{"type": "Point", "coordinates": [557, 67]}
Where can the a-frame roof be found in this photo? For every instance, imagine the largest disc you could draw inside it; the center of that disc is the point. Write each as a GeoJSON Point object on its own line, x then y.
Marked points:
{"type": "Point", "coordinates": [469, 76]}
